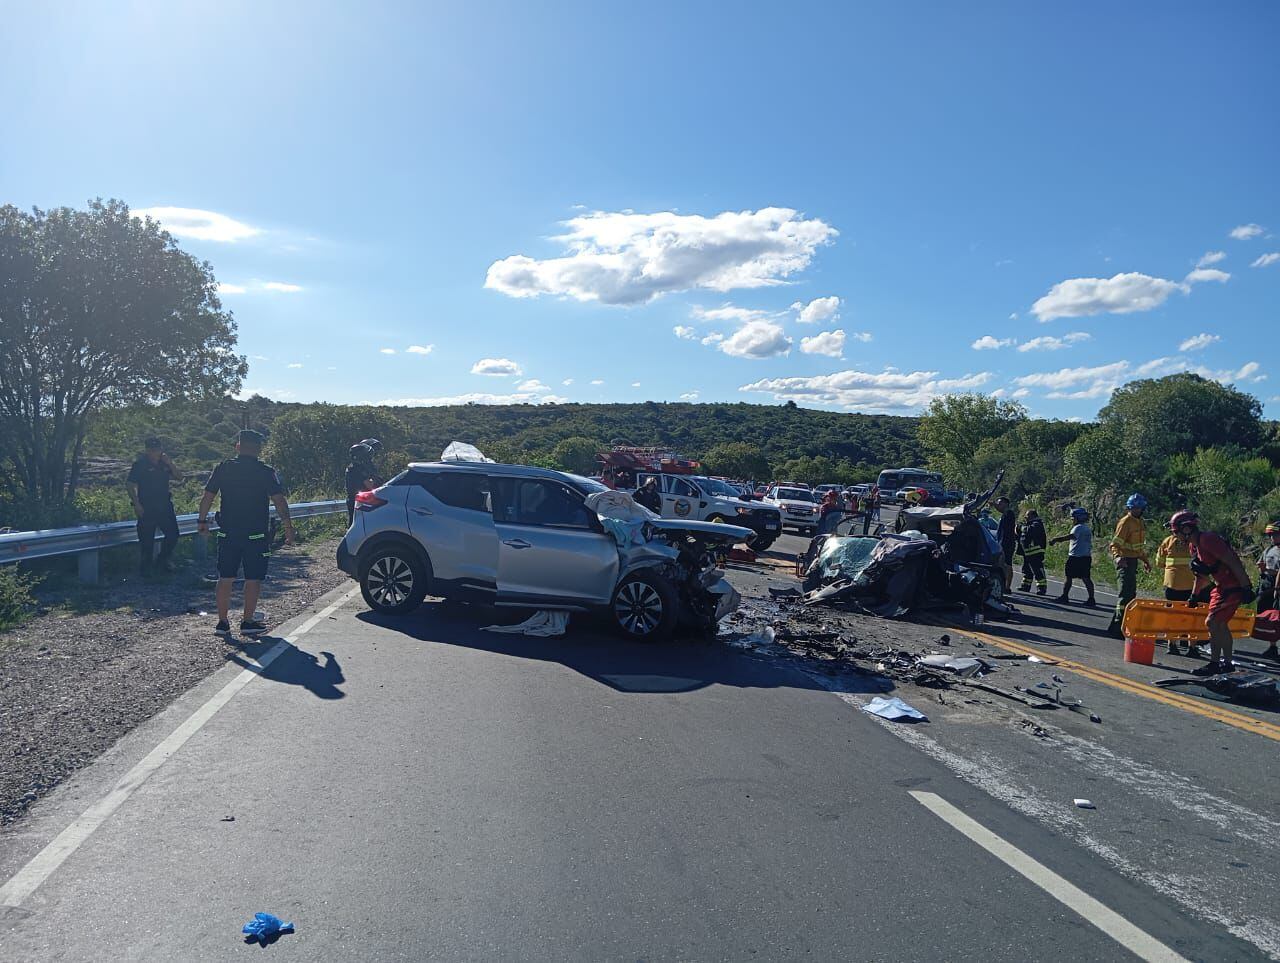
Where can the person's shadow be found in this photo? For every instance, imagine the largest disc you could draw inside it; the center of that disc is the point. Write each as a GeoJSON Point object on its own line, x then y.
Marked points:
{"type": "Point", "coordinates": [293, 666]}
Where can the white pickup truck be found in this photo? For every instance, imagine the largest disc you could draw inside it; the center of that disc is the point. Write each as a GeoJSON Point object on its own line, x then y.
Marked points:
{"type": "Point", "coordinates": [799, 507]}
{"type": "Point", "coordinates": [705, 499]}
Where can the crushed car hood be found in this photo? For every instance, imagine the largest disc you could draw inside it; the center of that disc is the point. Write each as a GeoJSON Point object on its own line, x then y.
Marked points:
{"type": "Point", "coordinates": [707, 531]}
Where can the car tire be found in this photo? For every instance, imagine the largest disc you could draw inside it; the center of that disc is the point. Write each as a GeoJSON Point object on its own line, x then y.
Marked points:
{"type": "Point", "coordinates": [763, 544]}
{"type": "Point", "coordinates": [644, 607]}
{"type": "Point", "coordinates": [393, 580]}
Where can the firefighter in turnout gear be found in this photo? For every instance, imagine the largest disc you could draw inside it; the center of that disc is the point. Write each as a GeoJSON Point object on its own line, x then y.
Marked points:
{"type": "Point", "coordinates": [1174, 556]}
{"type": "Point", "coordinates": [1032, 541]}
{"type": "Point", "coordinates": [1128, 548]}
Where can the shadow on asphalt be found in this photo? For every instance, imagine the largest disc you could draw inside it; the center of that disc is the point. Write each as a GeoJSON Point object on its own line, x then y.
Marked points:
{"type": "Point", "coordinates": [293, 666]}
{"type": "Point", "coordinates": [682, 665]}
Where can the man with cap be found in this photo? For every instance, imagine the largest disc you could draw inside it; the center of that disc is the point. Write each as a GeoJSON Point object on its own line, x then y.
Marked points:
{"type": "Point", "coordinates": [1269, 570]}
{"type": "Point", "coordinates": [248, 488]}
{"type": "Point", "coordinates": [148, 485]}
{"type": "Point", "coordinates": [1079, 555]}
{"type": "Point", "coordinates": [1128, 549]}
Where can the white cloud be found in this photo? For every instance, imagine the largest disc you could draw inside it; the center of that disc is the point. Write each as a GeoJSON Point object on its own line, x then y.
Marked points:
{"type": "Point", "coordinates": [628, 258]}
{"type": "Point", "coordinates": [686, 332]}
{"type": "Point", "coordinates": [598, 381]}
{"type": "Point", "coordinates": [195, 223]}
{"type": "Point", "coordinates": [567, 382]}
{"type": "Point", "coordinates": [715, 337]}
{"type": "Point", "coordinates": [474, 398]}
{"type": "Point", "coordinates": [889, 390]}
{"type": "Point", "coordinates": [281, 287]}
{"type": "Point", "coordinates": [496, 367]}
{"type": "Point", "coordinates": [1013, 316]}
{"type": "Point", "coordinates": [830, 343]}
{"type": "Point", "coordinates": [1210, 257]}
{"type": "Point", "coordinates": [1246, 232]}
{"type": "Point", "coordinates": [1111, 375]}
{"type": "Point", "coordinates": [757, 339]}
{"type": "Point", "coordinates": [1249, 372]}
{"type": "Point", "coordinates": [1021, 393]}
{"type": "Point", "coordinates": [863, 336]}
{"type": "Point", "coordinates": [1206, 274]}
{"type": "Point", "coordinates": [818, 310]}
{"type": "Point", "coordinates": [224, 288]}
{"type": "Point", "coordinates": [1266, 259]}
{"type": "Point", "coordinates": [1121, 294]}
{"type": "Point", "coordinates": [386, 350]}
{"type": "Point", "coordinates": [689, 396]}
{"type": "Point", "coordinates": [635, 384]}
{"type": "Point", "coordinates": [1100, 381]}
{"type": "Point", "coordinates": [988, 343]}
{"type": "Point", "coordinates": [1198, 342]}
{"type": "Point", "coordinates": [1055, 344]}
{"type": "Point", "coordinates": [534, 385]}
{"type": "Point", "coordinates": [728, 312]}
{"type": "Point", "coordinates": [276, 394]}
{"type": "Point", "coordinates": [258, 357]}
{"type": "Point", "coordinates": [423, 349]}
{"type": "Point", "coordinates": [295, 365]}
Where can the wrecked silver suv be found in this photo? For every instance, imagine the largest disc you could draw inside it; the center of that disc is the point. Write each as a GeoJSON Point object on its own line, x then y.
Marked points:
{"type": "Point", "coordinates": [516, 536]}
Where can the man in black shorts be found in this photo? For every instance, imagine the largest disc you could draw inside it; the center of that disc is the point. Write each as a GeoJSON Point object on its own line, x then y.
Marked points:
{"type": "Point", "coordinates": [247, 487]}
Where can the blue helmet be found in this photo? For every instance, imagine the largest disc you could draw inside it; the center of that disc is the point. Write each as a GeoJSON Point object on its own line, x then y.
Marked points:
{"type": "Point", "coordinates": [1079, 514]}
{"type": "Point", "coordinates": [1135, 501]}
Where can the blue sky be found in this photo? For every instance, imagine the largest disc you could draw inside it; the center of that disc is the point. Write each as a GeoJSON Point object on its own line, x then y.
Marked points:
{"type": "Point", "coordinates": [830, 203]}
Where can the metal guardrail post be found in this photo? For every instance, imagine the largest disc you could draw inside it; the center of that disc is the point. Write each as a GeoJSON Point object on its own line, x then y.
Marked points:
{"type": "Point", "coordinates": [88, 566]}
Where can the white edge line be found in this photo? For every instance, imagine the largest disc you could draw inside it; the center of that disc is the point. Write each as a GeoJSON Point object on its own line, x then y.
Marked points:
{"type": "Point", "coordinates": [1140, 943]}
{"type": "Point", "coordinates": [24, 882]}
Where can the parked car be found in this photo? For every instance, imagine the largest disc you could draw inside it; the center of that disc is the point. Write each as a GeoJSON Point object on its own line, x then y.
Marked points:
{"type": "Point", "coordinates": [823, 489]}
{"type": "Point", "coordinates": [699, 498]}
{"type": "Point", "coordinates": [798, 506]}
{"type": "Point", "coordinates": [517, 536]}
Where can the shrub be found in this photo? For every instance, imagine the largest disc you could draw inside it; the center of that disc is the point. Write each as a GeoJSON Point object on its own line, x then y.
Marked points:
{"type": "Point", "coordinates": [16, 601]}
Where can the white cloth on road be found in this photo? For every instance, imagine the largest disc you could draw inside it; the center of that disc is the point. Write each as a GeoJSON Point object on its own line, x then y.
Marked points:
{"type": "Point", "coordinates": [540, 623]}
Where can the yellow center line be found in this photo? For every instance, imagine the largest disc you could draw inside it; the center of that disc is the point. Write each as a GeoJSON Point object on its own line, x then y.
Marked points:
{"type": "Point", "coordinates": [1208, 710]}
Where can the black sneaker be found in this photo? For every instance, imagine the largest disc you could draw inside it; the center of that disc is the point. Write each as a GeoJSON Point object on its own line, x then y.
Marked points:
{"type": "Point", "coordinates": [1089, 604]}
{"type": "Point", "coordinates": [252, 627]}
{"type": "Point", "coordinates": [1064, 599]}
{"type": "Point", "coordinates": [1210, 668]}
{"type": "Point", "coordinates": [1042, 591]}
{"type": "Point", "coordinates": [223, 628]}
{"type": "Point", "coordinates": [1271, 653]}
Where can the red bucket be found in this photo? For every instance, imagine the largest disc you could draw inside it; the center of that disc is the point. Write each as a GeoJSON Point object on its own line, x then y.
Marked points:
{"type": "Point", "coordinates": [1141, 651]}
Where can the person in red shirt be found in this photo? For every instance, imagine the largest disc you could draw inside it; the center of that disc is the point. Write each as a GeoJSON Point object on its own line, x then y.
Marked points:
{"type": "Point", "coordinates": [1212, 557]}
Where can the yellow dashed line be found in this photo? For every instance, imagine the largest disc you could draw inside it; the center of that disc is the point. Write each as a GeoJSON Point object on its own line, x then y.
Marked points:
{"type": "Point", "coordinates": [1208, 710]}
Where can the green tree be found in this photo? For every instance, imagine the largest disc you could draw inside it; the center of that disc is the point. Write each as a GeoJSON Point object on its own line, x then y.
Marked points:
{"type": "Point", "coordinates": [737, 459]}
{"type": "Point", "coordinates": [577, 454]}
{"type": "Point", "coordinates": [954, 426]}
{"type": "Point", "coordinates": [1158, 418]}
{"type": "Point", "coordinates": [1223, 485]}
{"type": "Point", "coordinates": [98, 309]}
{"type": "Point", "coordinates": [1097, 465]}
{"type": "Point", "coordinates": [311, 446]}
{"type": "Point", "coordinates": [1031, 456]}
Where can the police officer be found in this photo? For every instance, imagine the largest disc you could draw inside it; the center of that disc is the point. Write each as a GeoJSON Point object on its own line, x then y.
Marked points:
{"type": "Point", "coordinates": [246, 486]}
{"type": "Point", "coordinates": [362, 475]}
{"type": "Point", "coordinates": [148, 484]}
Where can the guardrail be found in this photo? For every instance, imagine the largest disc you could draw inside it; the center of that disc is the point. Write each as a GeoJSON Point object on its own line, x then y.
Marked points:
{"type": "Point", "coordinates": [87, 541]}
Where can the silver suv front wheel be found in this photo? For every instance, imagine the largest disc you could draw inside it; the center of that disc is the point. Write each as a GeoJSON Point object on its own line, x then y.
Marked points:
{"type": "Point", "coordinates": [644, 607]}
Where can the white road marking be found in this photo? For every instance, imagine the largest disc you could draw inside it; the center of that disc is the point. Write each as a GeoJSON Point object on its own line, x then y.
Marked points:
{"type": "Point", "coordinates": [44, 863]}
{"type": "Point", "coordinates": [1140, 943]}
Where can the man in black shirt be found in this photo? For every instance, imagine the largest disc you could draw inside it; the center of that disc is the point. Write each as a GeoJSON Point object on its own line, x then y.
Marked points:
{"type": "Point", "coordinates": [247, 487]}
{"type": "Point", "coordinates": [361, 476]}
{"type": "Point", "coordinates": [148, 484]}
{"type": "Point", "coordinates": [649, 496]}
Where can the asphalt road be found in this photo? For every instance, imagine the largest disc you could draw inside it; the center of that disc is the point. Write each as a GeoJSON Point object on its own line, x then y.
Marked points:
{"type": "Point", "coordinates": [419, 789]}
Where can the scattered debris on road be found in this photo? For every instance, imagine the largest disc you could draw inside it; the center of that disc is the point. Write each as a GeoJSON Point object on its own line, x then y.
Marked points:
{"type": "Point", "coordinates": [893, 708]}
{"type": "Point", "coordinates": [1243, 686]}
{"type": "Point", "coordinates": [1084, 804]}
{"type": "Point", "coordinates": [265, 929]}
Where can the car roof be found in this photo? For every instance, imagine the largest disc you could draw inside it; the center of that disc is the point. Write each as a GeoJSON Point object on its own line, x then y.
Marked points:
{"type": "Point", "coordinates": [490, 468]}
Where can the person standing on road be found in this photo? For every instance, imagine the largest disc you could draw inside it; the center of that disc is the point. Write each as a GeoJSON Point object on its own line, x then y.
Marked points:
{"type": "Point", "coordinates": [361, 477]}
{"type": "Point", "coordinates": [1031, 545]}
{"type": "Point", "coordinates": [148, 485]}
{"type": "Point", "coordinates": [1269, 569]}
{"type": "Point", "coordinates": [1212, 556]}
{"type": "Point", "coordinates": [829, 513]}
{"type": "Point", "coordinates": [649, 496]}
{"type": "Point", "coordinates": [1128, 548]}
{"type": "Point", "coordinates": [1174, 557]}
{"type": "Point", "coordinates": [248, 488]}
{"type": "Point", "coordinates": [1079, 556]}
{"type": "Point", "coordinates": [1007, 536]}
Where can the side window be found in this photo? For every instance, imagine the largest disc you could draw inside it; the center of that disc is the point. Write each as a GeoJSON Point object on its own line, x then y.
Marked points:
{"type": "Point", "coordinates": [683, 488]}
{"type": "Point", "coordinates": [459, 489]}
{"type": "Point", "coordinates": [641, 479]}
{"type": "Point", "coordinates": [544, 503]}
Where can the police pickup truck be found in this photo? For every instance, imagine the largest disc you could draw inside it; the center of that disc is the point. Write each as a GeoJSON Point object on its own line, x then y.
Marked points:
{"type": "Point", "coordinates": [705, 499]}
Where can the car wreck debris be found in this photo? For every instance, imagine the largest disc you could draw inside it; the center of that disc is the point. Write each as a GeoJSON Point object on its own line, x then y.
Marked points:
{"type": "Point", "coordinates": [893, 709]}
{"type": "Point", "coordinates": [1243, 686]}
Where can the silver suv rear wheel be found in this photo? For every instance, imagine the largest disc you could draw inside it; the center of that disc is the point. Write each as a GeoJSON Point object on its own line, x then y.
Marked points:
{"type": "Point", "coordinates": [393, 581]}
